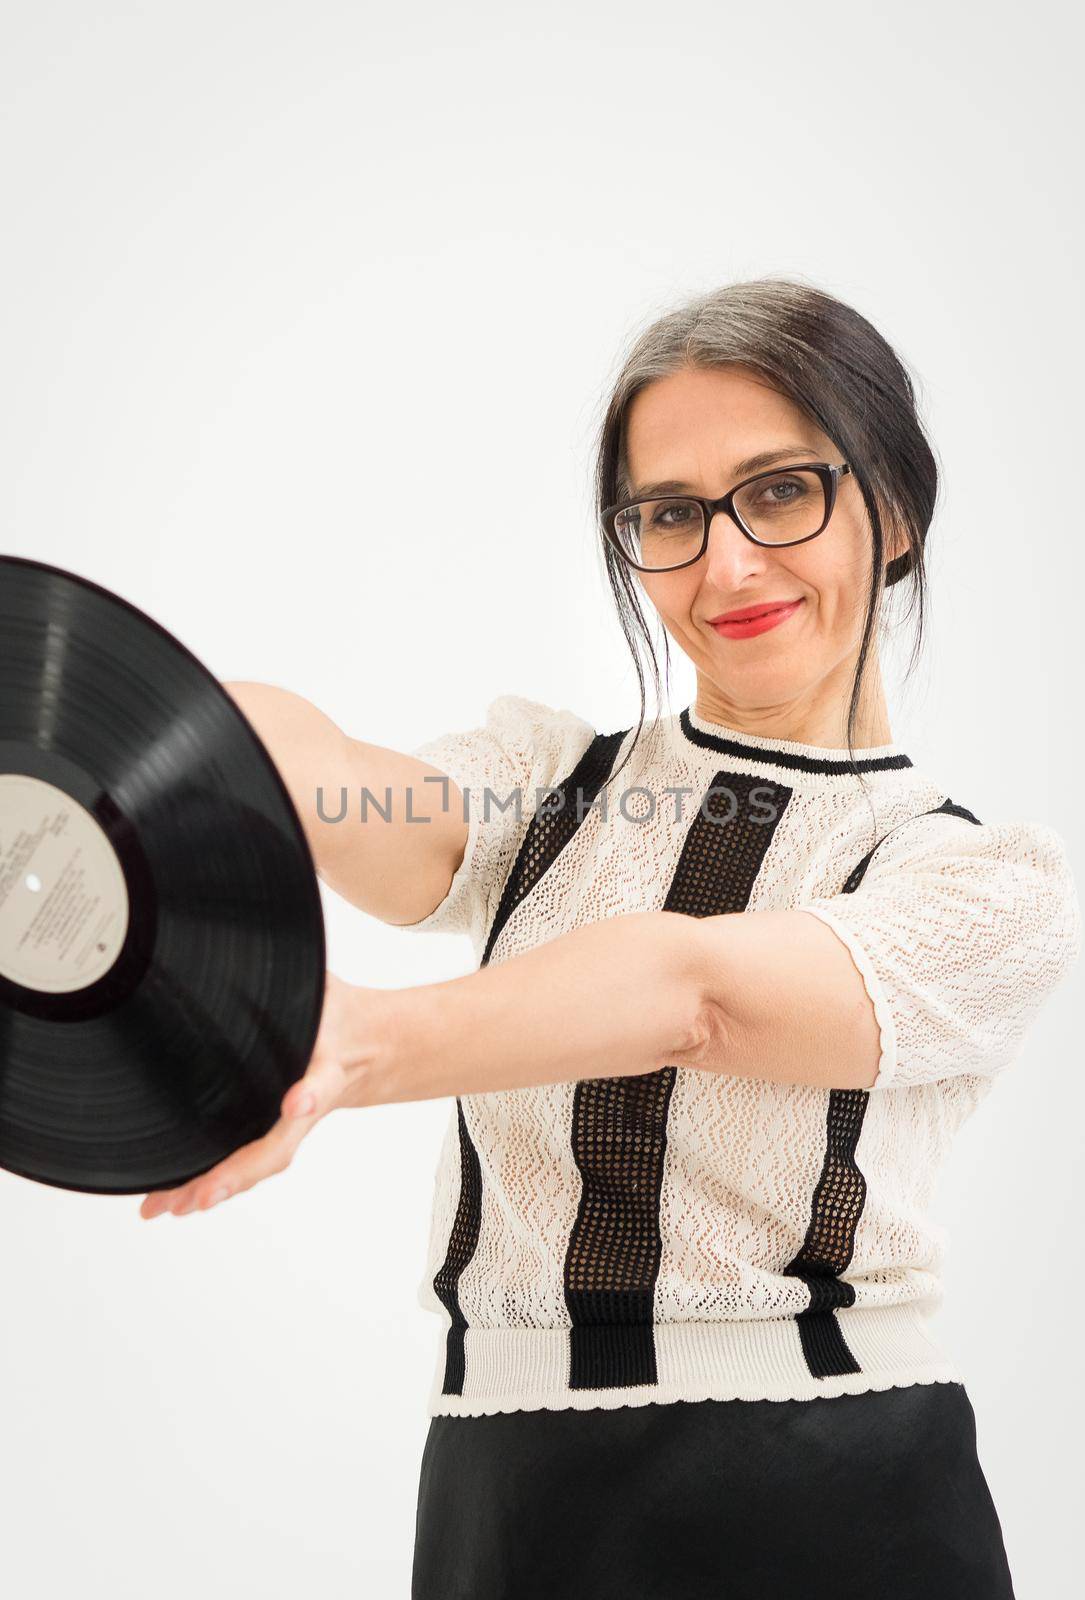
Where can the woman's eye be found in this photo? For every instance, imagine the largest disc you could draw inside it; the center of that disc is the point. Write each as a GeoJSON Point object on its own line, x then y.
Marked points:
{"type": "Point", "coordinates": [791, 488]}
{"type": "Point", "coordinates": [673, 516]}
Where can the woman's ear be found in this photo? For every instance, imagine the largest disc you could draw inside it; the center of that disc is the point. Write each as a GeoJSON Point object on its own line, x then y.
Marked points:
{"type": "Point", "coordinates": [896, 554]}
{"type": "Point", "coordinates": [894, 538]}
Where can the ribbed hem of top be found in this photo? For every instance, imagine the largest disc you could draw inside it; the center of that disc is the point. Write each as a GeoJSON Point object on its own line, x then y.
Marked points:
{"type": "Point", "coordinates": [527, 1369]}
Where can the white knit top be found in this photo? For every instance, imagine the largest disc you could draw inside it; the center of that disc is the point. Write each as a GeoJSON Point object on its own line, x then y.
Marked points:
{"type": "Point", "coordinates": [690, 1234]}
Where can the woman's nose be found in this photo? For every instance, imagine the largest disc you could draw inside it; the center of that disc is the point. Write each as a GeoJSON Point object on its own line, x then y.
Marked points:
{"type": "Point", "coordinates": [731, 558]}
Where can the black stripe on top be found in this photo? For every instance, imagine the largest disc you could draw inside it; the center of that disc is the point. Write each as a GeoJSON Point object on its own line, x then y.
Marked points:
{"type": "Point", "coordinates": [791, 759]}
{"type": "Point", "coordinates": [549, 831]}
{"type": "Point", "coordinates": [619, 1127]}
{"type": "Point", "coordinates": [553, 825]}
{"type": "Point", "coordinates": [838, 1199]}
{"type": "Point", "coordinates": [857, 873]}
{"type": "Point", "coordinates": [826, 1252]}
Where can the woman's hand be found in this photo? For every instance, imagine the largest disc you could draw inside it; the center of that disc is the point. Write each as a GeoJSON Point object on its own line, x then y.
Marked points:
{"type": "Point", "coordinates": [339, 1074]}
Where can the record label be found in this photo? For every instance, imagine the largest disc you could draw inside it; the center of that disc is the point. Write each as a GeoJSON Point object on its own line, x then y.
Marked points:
{"type": "Point", "coordinates": [63, 896]}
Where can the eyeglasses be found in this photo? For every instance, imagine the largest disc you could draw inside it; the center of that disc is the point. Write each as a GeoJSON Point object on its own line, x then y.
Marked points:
{"type": "Point", "coordinates": [782, 507]}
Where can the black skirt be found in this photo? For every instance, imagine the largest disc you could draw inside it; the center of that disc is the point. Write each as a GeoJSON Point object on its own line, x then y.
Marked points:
{"type": "Point", "coordinates": [875, 1496]}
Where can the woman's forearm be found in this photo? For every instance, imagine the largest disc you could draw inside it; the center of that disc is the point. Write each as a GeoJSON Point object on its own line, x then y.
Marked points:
{"type": "Point", "coordinates": [610, 999]}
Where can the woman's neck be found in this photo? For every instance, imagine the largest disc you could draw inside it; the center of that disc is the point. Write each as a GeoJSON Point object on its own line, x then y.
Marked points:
{"type": "Point", "coordinates": [819, 718]}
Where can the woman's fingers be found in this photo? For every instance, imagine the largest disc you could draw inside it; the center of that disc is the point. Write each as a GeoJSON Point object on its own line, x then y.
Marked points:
{"type": "Point", "coordinates": [252, 1162]}
{"type": "Point", "coordinates": [239, 1171]}
{"type": "Point", "coordinates": [328, 1082]}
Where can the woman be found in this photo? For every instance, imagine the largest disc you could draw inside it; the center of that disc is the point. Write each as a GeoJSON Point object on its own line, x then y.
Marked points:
{"type": "Point", "coordinates": [679, 1239]}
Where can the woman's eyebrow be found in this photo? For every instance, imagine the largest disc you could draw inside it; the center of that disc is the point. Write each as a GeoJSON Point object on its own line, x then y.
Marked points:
{"type": "Point", "coordinates": [743, 469]}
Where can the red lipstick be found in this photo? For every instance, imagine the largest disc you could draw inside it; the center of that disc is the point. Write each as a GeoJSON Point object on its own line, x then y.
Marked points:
{"type": "Point", "coordinates": [748, 621]}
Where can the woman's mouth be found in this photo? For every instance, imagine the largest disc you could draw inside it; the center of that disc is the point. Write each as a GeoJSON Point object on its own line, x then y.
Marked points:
{"type": "Point", "coordinates": [752, 623]}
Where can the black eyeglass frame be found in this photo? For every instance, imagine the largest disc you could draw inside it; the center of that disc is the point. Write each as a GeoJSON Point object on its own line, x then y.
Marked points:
{"type": "Point", "coordinates": [829, 475]}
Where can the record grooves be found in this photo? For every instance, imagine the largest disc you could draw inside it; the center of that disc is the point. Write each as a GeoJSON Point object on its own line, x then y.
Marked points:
{"type": "Point", "coordinates": [162, 951]}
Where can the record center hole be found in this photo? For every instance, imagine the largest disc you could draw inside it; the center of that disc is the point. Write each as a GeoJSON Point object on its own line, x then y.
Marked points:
{"type": "Point", "coordinates": [33, 882]}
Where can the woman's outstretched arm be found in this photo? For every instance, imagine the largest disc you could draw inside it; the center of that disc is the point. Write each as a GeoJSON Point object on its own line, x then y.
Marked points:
{"type": "Point", "coordinates": [611, 999]}
{"type": "Point", "coordinates": [933, 967]}
{"type": "Point", "coordinates": [768, 994]}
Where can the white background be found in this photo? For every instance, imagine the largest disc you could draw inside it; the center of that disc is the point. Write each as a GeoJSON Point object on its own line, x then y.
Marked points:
{"type": "Point", "coordinates": [307, 317]}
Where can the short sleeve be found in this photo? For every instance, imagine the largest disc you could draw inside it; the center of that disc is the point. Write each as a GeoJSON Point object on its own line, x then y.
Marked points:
{"type": "Point", "coordinates": [960, 931]}
{"type": "Point", "coordinates": [522, 747]}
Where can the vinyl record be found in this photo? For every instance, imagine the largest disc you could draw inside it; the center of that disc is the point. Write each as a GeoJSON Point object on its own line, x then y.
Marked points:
{"type": "Point", "coordinates": [162, 953]}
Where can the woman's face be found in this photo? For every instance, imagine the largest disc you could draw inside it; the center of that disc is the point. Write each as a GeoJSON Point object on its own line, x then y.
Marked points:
{"type": "Point", "coordinates": [696, 428]}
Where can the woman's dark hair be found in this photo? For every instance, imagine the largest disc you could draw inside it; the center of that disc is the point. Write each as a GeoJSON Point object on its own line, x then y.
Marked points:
{"type": "Point", "coordinates": [833, 364]}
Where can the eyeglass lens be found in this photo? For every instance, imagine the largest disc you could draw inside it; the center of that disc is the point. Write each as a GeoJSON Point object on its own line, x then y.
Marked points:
{"type": "Point", "coordinates": [776, 509]}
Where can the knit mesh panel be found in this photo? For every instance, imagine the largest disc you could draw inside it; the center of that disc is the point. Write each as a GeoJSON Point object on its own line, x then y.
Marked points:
{"type": "Point", "coordinates": [619, 1125]}
{"type": "Point", "coordinates": [549, 831]}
